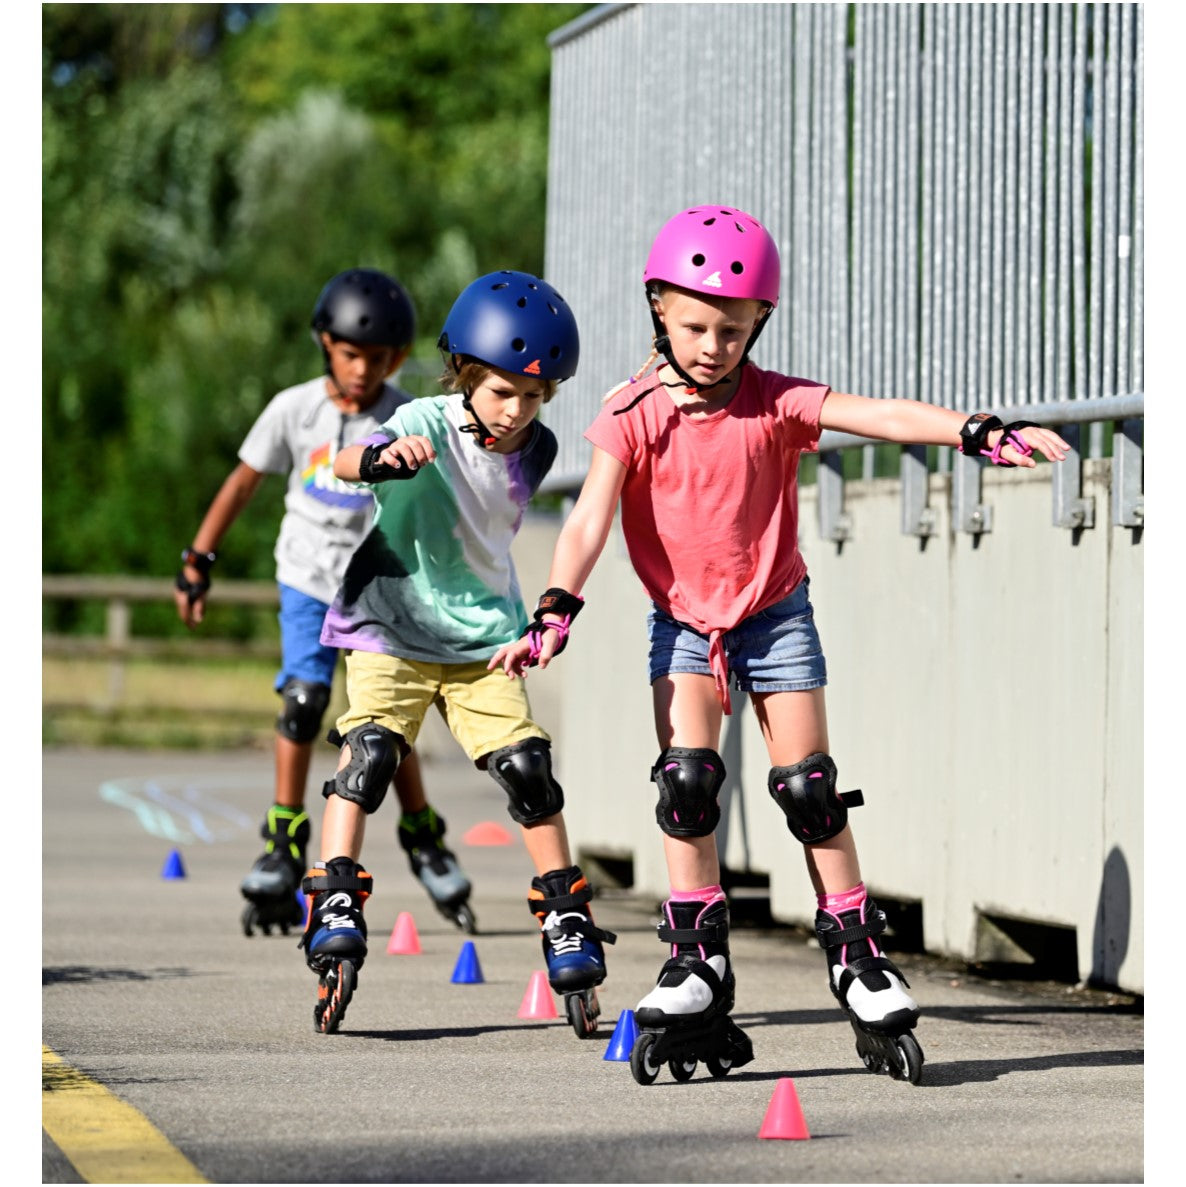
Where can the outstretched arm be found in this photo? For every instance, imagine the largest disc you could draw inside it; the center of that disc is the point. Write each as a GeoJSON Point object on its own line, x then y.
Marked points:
{"type": "Point", "coordinates": [577, 548]}
{"type": "Point", "coordinates": [911, 422]}
{"type": "Point", "coordinates": [234, 494]}
{"type": "Point", "coordinates": [366, 463]}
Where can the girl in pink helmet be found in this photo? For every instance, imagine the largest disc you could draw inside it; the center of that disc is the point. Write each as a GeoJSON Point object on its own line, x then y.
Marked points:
{"type": "Point", "coordinates": [702, 453]}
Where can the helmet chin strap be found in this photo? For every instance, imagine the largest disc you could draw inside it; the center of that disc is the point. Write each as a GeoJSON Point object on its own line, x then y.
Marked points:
{"type": "Point", "coordinates": [484, 437]}
{"type": "Point", "coordinates": [663, 346]}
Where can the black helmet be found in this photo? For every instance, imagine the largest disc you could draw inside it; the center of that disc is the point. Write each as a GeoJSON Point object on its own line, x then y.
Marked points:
{"type": "Point", "coordinates": [365, 306]}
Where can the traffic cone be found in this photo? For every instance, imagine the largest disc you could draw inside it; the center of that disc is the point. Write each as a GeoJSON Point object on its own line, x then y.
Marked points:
{"type": "Point", "coordinates": [537, 1001]}
{"type": "Point", "coordinates": [487, 833]}
{"type": "Point", "coordinates": [173, 867]}
{"type": "Point", "coordinates": [784, 1116]}
{"type": "Point", "coordinates": [405, 939]}
{"type": "Point", "coordinates": [468, 971]}
{"type": "Point", "coordinates": [622, 1043]}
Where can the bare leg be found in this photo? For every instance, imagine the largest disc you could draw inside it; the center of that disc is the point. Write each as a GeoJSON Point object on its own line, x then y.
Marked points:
{"type": "Point", "coordinates": [795, 725]}
{"type": "Point", "coordinates": [292, 760]}
{"type": "Point", "coordinates": [409, 787]}
{"type": "Point", "coordinates": [343, 823]}
{"type": "Point", "coordinates": [547, 844]}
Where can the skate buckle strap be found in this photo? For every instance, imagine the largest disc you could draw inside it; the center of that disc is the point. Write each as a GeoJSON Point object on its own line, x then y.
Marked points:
{"type": "Point", "coordinates": [712, 933]}
{"type": "Point", "coordinates": [318, 880]}
{"type": "Point", "coordinates": [849, 935]}
{"type": "Point", "coordinates": [868, 964]}
{"type": "Point", "coordinates": [561, 902]}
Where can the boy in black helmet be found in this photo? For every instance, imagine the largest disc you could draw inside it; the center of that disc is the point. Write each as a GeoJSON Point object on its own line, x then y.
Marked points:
{"type": "Point", "coordinates": [364, 323]}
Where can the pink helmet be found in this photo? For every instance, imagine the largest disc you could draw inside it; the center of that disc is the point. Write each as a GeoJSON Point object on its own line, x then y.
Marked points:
{"type": "Point", "coordinates": [716, 250]}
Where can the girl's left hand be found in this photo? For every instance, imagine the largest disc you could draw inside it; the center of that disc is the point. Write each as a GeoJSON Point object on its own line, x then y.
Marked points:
{"type": "Point", "coordinates": [1046, 441]}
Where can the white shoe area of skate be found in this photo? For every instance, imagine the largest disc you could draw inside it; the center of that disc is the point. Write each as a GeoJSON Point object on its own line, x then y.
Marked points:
{"type": "Point", "coordinates": [692, 995]}
{"type": "Point", "coordinates": [874, 1005]}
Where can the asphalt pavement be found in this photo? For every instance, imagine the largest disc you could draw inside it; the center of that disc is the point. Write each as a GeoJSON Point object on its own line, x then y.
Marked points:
{"type": "Point", "coordinates": [151, 990]}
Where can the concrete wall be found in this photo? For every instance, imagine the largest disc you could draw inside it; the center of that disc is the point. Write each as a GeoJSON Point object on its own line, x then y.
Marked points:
{"type": "Point", "coordinates": [985, 695]}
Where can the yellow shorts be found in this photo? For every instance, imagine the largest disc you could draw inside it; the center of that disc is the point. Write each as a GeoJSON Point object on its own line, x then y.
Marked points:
{"type": "Point", "coordinates": [484, 710]}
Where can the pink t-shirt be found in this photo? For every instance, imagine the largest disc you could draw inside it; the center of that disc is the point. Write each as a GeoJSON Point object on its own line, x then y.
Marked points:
{"type": "Point", "coordinates": [710, 506]}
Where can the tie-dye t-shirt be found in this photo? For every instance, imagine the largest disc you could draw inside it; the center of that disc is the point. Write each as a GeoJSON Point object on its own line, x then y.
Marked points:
{"type": "Point", "coordinates": [299, 433]}
{"type": "Point", "coordinates": [433, 580]}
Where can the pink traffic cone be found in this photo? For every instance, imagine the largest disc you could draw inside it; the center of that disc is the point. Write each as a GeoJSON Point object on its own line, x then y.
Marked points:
{"type": "Point", "coordinates": [784, 1116]}
{"type": "Point", "coordinates": [487, 833]}
{"type": "Point", "coordinates": [405, 939]}
{"type": "Point", "coordinates": [537, 1001]}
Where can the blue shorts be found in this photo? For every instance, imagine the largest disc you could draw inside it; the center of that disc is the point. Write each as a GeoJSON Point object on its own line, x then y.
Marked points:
{"type": "Point", "coordinates": [774, 650]}
{"type": "Point", "coordinates": [302, 654]}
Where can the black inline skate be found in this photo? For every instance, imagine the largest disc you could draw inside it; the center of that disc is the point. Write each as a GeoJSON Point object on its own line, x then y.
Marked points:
{"type": "Point", "coordinates": [335, 935]}
{"type": "Point", "coordinates": [271, 884]}
{"type": "Point", "coordinates": [421, 836]}
{"type": "Point", "coordinates": [572, 944]}
{"type": "Point", "coordinates": [869, 988]}
{"type": "Point", "coordinates": [685, 1018]}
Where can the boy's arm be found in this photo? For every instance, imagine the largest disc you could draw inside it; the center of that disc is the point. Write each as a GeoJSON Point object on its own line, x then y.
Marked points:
{"type": "Point", "coordinates": [193, 579]}
{"type": "Point", "coordinates": [377, 462]}
{"type": "Point", "coordinates": [578, 546]}
{"type": "Point", "coordinates": [911, 422]}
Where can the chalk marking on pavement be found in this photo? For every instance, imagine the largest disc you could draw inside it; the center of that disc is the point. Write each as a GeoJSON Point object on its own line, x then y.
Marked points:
{"type": "Point", "coordinates": [105, 1138]}
{"type": "Point", "coordinates": [164, 811]}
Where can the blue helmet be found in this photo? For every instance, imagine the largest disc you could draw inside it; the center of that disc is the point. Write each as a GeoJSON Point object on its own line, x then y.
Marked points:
{"type": "Point", "coordinates": [516, 322]}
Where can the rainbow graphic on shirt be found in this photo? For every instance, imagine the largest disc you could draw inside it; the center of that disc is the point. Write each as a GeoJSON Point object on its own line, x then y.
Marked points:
{"type": "Point", "coordinates": [317, 478]}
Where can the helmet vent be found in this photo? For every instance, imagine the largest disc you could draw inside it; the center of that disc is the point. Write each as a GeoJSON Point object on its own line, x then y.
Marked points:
{"type": "Point", "coordinates": [552, 309]}
{"type": "Point", "coordinates": [740, 227]}
{"type": "Point", "coordinates": [737, 267]}
{"type": "Point", "coordinates": [709, 221]}
{"type": "Point", "coordinates": [502, 284]}
{"type": "Point", "coordinates": [554, 353]}
{"type": "Point", "coordinates": [698, 260]}
{"type": "Point", "coordinates": [522, 302]}
{"type": "Point", "coordinates": [518, 344]}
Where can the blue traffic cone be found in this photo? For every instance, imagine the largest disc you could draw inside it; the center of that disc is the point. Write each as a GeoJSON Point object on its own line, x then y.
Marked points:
{"type": "Point", "coordinates": [467, 970]}
{"type": "Point", "coordinates": [622, 1042]}
{"type": "Point", "coordinates": [173, 867]}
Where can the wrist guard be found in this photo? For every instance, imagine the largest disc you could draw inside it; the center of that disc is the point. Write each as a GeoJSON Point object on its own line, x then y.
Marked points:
{"type": "Point", "coordinates": [552, 601]}
{"type": "Point", "coordinates": [974, 437]}
{"type": "Point", "coordinates": [203, 562]}
{"type": "Point", "coordinates": [370, 469]}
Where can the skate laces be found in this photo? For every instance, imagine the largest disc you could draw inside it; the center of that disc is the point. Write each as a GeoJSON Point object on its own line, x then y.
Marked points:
{"type": "Point", "coordinates": [563, 938]}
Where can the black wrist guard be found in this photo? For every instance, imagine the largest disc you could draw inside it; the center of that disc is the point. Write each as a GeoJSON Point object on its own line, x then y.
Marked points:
{"type": "Point", "coordinates": [558, 601]}
{"type": "Point", "coordinates": [974, 434]}
{"type": "Point", "coordinates": [370, 469]}
{"type": "Point", "coordinates": [203, 562]}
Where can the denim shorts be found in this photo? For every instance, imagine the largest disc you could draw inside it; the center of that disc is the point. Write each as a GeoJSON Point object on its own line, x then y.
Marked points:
{"type": "Point", "coordinates": [773, 650]}
{"type": "Point", "coordinates": [303, 656]}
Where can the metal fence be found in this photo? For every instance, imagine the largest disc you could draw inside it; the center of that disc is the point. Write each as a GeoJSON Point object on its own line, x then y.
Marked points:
{"type": "Point", "coordinates": [955, 189]}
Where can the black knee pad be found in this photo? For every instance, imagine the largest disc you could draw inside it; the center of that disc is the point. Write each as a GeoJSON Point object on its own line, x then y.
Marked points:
{"type": "Point", "coordinates": [689, 781]}
{"type": "Point", "coordinates": [524, 772]}
{"type": "Point", "coordinates": [374, 754]}
{"type": "Point", "coordinates": [304, 707]}
{"type": "Point", "coordinates": [806, 792]}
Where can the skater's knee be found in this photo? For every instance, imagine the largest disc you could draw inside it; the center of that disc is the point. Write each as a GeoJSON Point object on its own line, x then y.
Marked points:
{"type": "Point", "coordinates": [304, 704]}
{"type": "Point", "coordinates": [524, 772]}
{"type": "Point", "coordinates": [689, 781]}
{"type": "Point", "coordinates": [374, 755]}
{"type": "Point", "coordinates": [806, 793]}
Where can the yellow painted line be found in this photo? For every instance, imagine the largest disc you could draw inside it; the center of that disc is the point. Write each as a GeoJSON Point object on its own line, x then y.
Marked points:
{"type": "Point", "coordinates": [106, 1139]}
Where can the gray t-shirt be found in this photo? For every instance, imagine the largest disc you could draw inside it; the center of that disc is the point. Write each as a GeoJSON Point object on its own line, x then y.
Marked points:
{"type": "Point", "coordinates": [300, 433]}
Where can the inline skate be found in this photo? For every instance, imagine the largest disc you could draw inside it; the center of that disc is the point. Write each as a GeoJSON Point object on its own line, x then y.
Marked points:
{"type": "Point", "coordinates": [869, 988]}
{"type": "Point", "coordinates": [271, 884]}
{"type": "Point", "coordinates": [335, 935]}
{"type": "Point", "coordinates": [572, 944]}
{"type": "Point", "coordinates": [685, 1018]}
{"type": "Point", "coordinates": [421, 836]}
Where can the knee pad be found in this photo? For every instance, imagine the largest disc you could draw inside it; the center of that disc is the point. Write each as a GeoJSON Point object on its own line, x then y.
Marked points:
{"type": "Point", "coordinates": [524, 772]}
{"type": "Point", "coordinates": [374, 755]}
{"type": "Point", "coordinates": [304, 707]}
{"type": "Point", "coordinates": [806, 792]}
{"type": "Point", "coordinates": [689, 781]}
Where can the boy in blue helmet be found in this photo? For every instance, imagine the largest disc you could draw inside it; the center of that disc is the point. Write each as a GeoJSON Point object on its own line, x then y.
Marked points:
{"type": "Point", "coordinates": [364, 323]}
{"type": "Point", "coordinates": [428, 596]}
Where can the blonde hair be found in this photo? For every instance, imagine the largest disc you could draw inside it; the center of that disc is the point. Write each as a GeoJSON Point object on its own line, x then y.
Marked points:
{"type": "Point", "coordinates": [650, 361]}
{"type": "Point", "coordinates": [472, 373]}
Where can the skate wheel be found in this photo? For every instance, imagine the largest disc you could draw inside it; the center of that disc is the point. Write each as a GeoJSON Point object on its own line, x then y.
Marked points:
{"type": "Point", "coordinates": [642, 1067]}
{"type": "Point", "coordinates": [718, 1066]}
{"type": "Point", "coordinates": [682, 1069]}
{"type": "Point", "coordinates": [582, 1011]}
{"type": "Point", "coordinates": [336, 989]}
{"type": "Point", "coordinates": [465, 920]}
{"type": "Point", "coordinates": [910, 1057]}
{"type": "Point", "coordinates": [247, 919]}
